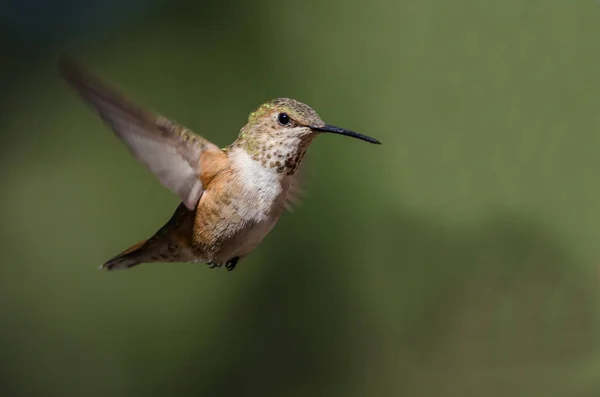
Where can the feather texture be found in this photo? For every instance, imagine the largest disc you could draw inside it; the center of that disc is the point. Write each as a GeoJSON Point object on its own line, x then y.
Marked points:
{"type": "Point", "coordinates": [170, 151]}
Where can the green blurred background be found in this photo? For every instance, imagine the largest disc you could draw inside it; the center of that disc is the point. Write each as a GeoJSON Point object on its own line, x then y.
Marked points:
{"type": "Point", "coordinates": [460, 258]}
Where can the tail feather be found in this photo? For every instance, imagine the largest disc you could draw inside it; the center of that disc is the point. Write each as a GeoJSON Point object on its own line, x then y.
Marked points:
{"type": "Point", "coordinates": [167, 245]}
{"type": "Point", "coordinates": [126, 259]}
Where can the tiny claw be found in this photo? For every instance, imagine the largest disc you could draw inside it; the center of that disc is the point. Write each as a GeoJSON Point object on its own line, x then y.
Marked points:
{"type": "Point", "coordinates": [212, 265]}
{"type": "Point", "coordinates": [230, 264]}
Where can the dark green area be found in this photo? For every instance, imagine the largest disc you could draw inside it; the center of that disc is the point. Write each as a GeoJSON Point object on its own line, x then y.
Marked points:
{"type": "Point", "coordinates": [460, 258]}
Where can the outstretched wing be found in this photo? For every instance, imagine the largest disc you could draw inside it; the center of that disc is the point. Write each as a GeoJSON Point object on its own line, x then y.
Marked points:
{"type": "Point", "coordinates": [169, 150]}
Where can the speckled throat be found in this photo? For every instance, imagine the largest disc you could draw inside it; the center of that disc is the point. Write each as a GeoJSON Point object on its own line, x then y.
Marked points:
{"type": "Point", "coordinates": [275, 151]}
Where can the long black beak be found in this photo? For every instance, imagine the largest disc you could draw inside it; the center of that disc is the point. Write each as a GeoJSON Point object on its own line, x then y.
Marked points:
{"type": "Point", "coordinates": [341, 131]}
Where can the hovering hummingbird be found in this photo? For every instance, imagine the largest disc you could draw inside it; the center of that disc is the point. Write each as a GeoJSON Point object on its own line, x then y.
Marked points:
{"type": "Point", "coordinates": [231, 197]}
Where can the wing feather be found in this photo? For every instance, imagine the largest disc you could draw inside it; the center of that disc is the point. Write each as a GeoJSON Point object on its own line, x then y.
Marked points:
{"type": "Point", "coordinates": [170, 151]}
{"type": "Point", "coordinates": [295, 192]}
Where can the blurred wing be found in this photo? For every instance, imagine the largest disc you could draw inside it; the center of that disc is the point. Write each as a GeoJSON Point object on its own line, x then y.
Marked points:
{"type": "Point", "coordinates": [295, 192]}
{"type": "Point", "coordinates": [170, 151]}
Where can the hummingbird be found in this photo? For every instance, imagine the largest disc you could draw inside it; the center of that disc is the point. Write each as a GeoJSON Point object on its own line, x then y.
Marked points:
{"type": "Point", "coordinates": [231, 197]}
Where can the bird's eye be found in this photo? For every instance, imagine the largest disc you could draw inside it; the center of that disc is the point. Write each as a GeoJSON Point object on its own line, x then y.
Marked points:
{"type": "Point", "coordinates": [283, 118]}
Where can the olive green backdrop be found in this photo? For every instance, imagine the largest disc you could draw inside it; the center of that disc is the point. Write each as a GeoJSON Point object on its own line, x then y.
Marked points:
{"type": "Point", "coordinates": [460, 258]}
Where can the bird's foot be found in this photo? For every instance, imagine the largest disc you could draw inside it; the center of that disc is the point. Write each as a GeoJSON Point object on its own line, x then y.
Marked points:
{"type": "Point", "coordinates": [230, 264]}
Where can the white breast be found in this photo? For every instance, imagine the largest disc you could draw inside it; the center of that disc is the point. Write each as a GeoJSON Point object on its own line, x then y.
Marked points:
{"type": "Point", "coordinates": [263, 194]}
{"type": "Point", "coordinates": [262, 185]}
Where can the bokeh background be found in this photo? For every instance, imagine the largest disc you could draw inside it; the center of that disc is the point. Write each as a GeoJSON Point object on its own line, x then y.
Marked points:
{"type": "Point", "coordinates": [460, 258]}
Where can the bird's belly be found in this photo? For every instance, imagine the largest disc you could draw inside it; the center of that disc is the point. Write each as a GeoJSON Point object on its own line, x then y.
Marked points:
{"type": "Point", "coordinates": [240, 240]}
{"type": "Point", "coordinates": [248, 238]}
{"type": "Point", "coordinates": [223, 232]}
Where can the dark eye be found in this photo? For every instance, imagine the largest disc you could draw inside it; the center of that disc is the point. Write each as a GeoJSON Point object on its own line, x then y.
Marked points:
{"type": "Point", "coordinates": [283, 118]}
